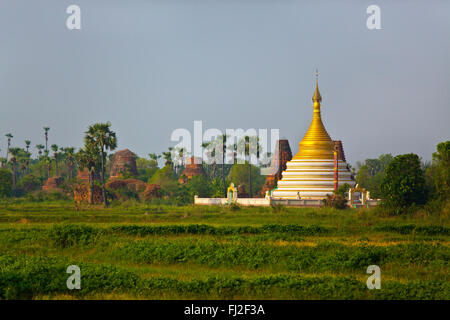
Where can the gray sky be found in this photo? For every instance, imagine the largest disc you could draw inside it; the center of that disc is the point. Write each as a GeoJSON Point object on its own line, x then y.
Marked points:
{"type": "Point", "coordinates": [150, 67]}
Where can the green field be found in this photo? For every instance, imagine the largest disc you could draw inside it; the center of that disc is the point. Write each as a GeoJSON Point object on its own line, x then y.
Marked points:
{"type": "Point", "coordinates": [168, 252]}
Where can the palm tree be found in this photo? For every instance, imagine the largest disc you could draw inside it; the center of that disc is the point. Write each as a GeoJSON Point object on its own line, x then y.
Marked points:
{"type": "Point", "coordinates": [251, 146]}
{"type": "Point", "coordinates": [9, 136]}
{"type": "Point", "coordinates": [14, 155]}
{"type": "Point", "coordinates": [55, 155]}
{"type": "Point", "coordinates": [28, 154]}
{"type": "Point", "coordinates": [211, 154]}
{"type": "Point", "coordinates": [48, 163]}
{"type": "Point", "coordinates": [219, 146]}
{"type": "Point", "coordinates": [154, 157]}
{"type": "Point", "coordinates": [23, 166]}
{"type": "Point", "coordinates": [266, 159]}
{"type": "Point", "coordinates": [3, 161]}
{"type": "Point", "coordinates": [101, 136]}
{"type": "Point", "coordinates": [70, 160]}
{"type": "Point", "coordinates": [258, 150]}
{"type": "Point", "coordinates": [40, 147]}
{"type": "Point", "coordinates": [181, 154]}
{"type": "Point", "coordinates": [26, 161]}
{"type": "Point", "coordinates": [247, 154]}
{"type": "Point", "coordinates": [223, 141]}
{"type": "Point", "coordinates": [27, 144]}
{"type": "Point", "coordinates": [88, 158]}
{"type": "Point", "coordinates": [62, 156]}
{"type": "Point", "coordinates": [168, 157]}
{"type": "Point", "coordinates": [46, 136]}
{"type": "Point", "coordinates": [233, 152]}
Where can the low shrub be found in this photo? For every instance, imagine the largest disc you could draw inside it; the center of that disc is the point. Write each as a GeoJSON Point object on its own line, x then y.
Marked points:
{"type": "Point", "coordinates": [24, 277]}
{"type": "Point", "coordinates": [225, 230]}
{"type": "Point", "coordinates": [410, 228]}
{"type": "Point", "coordinates": [40, 196]}
{"type": "Point", "coordinates": [68, 235]}
{"type": "Point", "coordinates": [254, 255]}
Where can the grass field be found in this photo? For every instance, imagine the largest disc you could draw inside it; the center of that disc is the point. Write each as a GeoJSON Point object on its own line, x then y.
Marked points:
{"type": "Point", "coordinates": [163, 252]}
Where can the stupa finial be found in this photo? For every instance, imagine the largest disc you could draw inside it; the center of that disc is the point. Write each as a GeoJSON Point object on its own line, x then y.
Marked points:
{"type": "Point", "coordinates": [317, 97]}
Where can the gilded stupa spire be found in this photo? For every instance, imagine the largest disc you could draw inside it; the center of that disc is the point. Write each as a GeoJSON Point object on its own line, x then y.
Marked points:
{"type": "Point", "coordinates": [317, 97]}
{"type": "Point", "coordinates": [316, 144]}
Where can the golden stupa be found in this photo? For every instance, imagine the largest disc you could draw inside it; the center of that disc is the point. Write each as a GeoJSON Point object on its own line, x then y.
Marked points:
{"type": "Point", "coordinates": [311, 172]}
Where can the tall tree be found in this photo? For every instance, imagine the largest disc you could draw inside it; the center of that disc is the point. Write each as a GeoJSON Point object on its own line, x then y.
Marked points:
{"type": "Point", "coordinates": [247, 153]}
{"type": "Point", "coordinates": [168, 157]}
{"type": "Point", "coordinates": [70, 161]}
{"type": "Point", "coordinates": [88, 158]}
{"type": "Point", "coordinates": [3, 161]}
{"type": "Point", "coordinates": [5, 183]}
{"type": "Point", "coordinates": [181, 155]}
{"type": "Point", "coordinates": [211, 154]}
{"type": "Point", "coordinates": [55, 156]}
{"type": "Point", "coordinates": [101, 136]}
{"type": "Point", "coordinates": [250, 146]}
{"type": "Point", "coordinates": [441, 170]}
{"type": "Point", "coordinates": [9, 136]}
{"type": "Point", "coordinates": [40, 147]}
{"type": "Point", "coordinates": [23, 166]}
{"type": "Point", "coordinates": [154, 158]}
{"type": "Point", "coordinates": [46, 129]}
{"type": "Point", "coordinates": [217, 150]}
{"type": "Point", "coordinates": [404, 182]}
{"type": "Point", "coordinates": [14, 159]}
{"type": "Point", "coordinates": [26, 161]}
{"type": "Point", "coordinates": [234, 148]}
{"type": "Point", "coordinates": [371, 173]}
{"type": "Point", "coordinates": [223, 141]}
{"type": "Point", "coordinates": [27, 145]}
{"type": "Point", "coordinates": [239, 176]}
{"type": "Point", "coordinates": [48, 163]}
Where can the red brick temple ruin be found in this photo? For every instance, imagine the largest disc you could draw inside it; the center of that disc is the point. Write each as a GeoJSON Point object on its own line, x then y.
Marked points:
{"type": "Point", "coordinates": [281, 156]}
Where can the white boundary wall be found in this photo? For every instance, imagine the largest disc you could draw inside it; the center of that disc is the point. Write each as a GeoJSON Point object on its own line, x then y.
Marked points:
{"type": "Point", "coordinates": [268, 201]}
{"type": "Point", "coordinates": [260, 202]}
{"type": "Point", "coordinates": [210, 201]}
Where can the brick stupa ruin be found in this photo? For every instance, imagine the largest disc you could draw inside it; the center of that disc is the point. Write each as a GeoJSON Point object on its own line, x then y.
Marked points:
{"type": "Point", "coordinates": [52, 184]}
{"type": "Point", "coordinates": [124, 166]}
{"type": "Point", "coordinates": [123, 163]}
{"type": "Point", "coordinates": [193, 168]}
{"type": "Point", "coordinates": [280, 157]}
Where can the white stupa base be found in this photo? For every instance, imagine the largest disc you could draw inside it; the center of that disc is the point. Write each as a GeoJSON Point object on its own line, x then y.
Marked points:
{"type": "Point", "coordinates": [311, 179]}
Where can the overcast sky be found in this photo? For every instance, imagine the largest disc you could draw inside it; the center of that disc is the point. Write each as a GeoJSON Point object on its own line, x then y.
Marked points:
{"type": "Point", "coordinates": [150, 67]}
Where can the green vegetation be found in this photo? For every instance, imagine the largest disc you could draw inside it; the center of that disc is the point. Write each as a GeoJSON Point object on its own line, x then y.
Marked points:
{"type": "Point", "coordinates": [164, 248]}
{"type": "Point", "coordinates": [403, 184]}
{"type": "Point", "coordinates": [438, 173]}
{"type": "Point", "coordinates": [239, 175]}
{"type": "Point", "coordinates": [371, 173]}
{"type": "Point", "coordinates": [338, 199]}
{"type": "Point", "coordinates": [99, 136]}
{"type": "Point", "coordinates": [5, 183]}
{"type": "Point", "coordinates": [187, 252]}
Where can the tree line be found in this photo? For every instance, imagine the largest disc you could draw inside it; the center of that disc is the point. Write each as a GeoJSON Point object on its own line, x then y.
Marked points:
{"type": "Point", "coordinates": [406, 181]}
{"type": "Point", "coordinates": [400, 181]}
{"type": "Point", "coordinates": [21, 174]}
